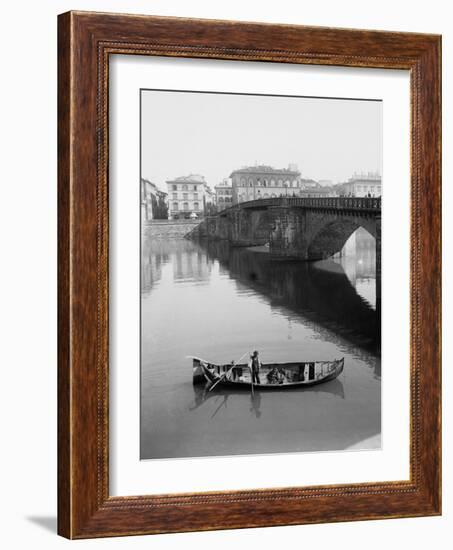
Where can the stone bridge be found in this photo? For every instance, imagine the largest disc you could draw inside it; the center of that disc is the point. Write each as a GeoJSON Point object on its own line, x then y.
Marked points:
{"type": "Point", "coordinates": [299, 228]}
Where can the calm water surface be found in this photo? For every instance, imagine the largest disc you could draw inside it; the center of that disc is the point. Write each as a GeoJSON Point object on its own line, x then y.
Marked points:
{"type": "Point", "coordinates": [218, 303]}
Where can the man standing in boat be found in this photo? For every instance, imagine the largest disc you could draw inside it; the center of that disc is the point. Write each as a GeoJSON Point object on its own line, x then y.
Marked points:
{"type": "Point", "coordinates": [255, 365]}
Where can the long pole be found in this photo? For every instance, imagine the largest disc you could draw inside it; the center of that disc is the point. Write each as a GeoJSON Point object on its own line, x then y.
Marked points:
{"type": "Point", "coordinates": [221, 378]}
{"type": "Point", "coordinates": [227, 372]}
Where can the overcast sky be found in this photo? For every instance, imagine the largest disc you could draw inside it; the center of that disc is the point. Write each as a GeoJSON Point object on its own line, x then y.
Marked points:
{"type": "Point", "coordinates": [213, 134]}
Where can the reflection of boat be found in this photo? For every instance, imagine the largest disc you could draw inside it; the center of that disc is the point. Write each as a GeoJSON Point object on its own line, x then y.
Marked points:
{"type": "Point", "coordinates": [202, 394]}
{"type": "Point", "coordinates": [272, 375]}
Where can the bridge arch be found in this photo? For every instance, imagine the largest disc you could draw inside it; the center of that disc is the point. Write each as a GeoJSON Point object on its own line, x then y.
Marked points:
{"type": "Point", "coordinates": [331, 237]}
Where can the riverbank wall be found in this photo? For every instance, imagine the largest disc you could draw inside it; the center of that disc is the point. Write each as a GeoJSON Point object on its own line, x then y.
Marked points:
{"type": "Point", "coordinates": [170, 229]}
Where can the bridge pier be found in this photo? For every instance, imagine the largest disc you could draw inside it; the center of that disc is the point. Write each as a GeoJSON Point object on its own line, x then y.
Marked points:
{"type": "Point", "coordinates": [288, 233]}
{"type": "Point", "coordinates": [239, 227]}
{"type": "Point", "coordinates": [248, 227]}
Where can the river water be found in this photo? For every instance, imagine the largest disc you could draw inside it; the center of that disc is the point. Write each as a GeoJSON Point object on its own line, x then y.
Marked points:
{"type": "Point", "coordinates": [218, 303]}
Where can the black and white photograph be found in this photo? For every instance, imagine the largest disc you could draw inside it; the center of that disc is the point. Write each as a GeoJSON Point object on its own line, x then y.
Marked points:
{"type": "Point", "coordinates": [260, 274]}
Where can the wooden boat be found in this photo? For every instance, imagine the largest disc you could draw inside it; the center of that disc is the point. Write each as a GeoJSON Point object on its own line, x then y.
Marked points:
{"type": "Point", "coordinates": [272, 375]}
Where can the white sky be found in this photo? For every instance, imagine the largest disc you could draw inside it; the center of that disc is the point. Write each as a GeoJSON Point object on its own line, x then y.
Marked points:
{"type": "Point", "coordinates": [214, 134]}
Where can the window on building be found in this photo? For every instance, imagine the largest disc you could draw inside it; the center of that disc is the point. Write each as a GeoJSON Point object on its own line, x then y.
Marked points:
{"type": "Point", "coordinates": [250, 182]}
{"type": "Point", "coordinates": [185, 206]}
{"type": "Point", "coordinates": [185, 196]}
{"type": "Point", "coordinates": [184, 187]}
{"type": "Point", "coordinates": [195, 195]}
{"type": "Point", "coordinates": [175, 195]}
{"type": "Point", "coordinates": [194, 187]}
{"type": "Point", "coordinates": [265, 183]}
{"type": "Point", "coordinates": [272, 183]}
{"type": "Point", "coordinates": [175, 206]}
{"type": "Point", "coordinates": [196, 206]}
{"type": "Point", "coordinates": [242, 181]}
{"type": "Point", "coordinates": [280, 183]}
{"type": "Point", "coordinates": [174, 187]}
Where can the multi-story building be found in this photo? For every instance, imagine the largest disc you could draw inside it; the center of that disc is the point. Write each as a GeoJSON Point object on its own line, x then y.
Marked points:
{"type": "Point", "coordinates": [188, 196]}
{"type": "Point", "coordinates": [153, 201]}
{"type": "Point", "coordinates": [224, 194]}
{"type": "Point", "coordinates": [260, 182]}
{"type": "Point", "coordinates": [363, 185]}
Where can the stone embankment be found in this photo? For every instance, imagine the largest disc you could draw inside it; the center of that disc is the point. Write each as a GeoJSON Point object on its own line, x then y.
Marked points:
{"type": "Point", "coordinates": [170, 229]}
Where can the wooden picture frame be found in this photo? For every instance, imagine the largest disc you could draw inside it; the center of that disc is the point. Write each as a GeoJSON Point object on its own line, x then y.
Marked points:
{"type": "Point", "coordinates": [85, 42]}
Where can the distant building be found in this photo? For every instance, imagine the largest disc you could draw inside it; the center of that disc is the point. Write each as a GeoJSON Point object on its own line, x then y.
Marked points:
{"type": "Point", "coordinates": [308, 184]}
{"type": "Point", "coordinates": [153, 201]}
{"type": "Point", "coordinates": [318, 191]}
{"type": "Point", "coordinates": [362, 185]}
{"type": "Point", "coordinates": [224, 194]}
{"type": "Point", "coordinates": [261, 182]}
{"type": "Point", "coordinates": [188, 196]}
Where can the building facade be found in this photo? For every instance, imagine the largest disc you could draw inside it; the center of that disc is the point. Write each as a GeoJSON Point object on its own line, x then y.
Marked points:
{"type": "Point", "coordinates": [363, 185]}
{"type": "Point", "coordinates": [224, 194]}
{"type": "Point", "coordinates": [261, 182]}
{"type": "Point", "coordinates": [188, 197]}
{"type": "Point", "coordinates": [312, 188]}
{"type": "Point", "coordinates": [153, 201]}
{"type": "Point", "coordinates": [318, 191]}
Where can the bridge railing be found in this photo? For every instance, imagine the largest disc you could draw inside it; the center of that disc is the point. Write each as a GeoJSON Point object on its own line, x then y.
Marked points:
{"type": "Point", "coordinates": [340, 203]}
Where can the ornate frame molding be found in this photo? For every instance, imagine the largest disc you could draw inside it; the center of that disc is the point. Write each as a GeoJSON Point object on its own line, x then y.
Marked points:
{"type": "Point", "coordinates": [86, 40]}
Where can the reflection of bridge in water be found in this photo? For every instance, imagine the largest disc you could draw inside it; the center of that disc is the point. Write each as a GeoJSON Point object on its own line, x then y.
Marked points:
{"type": "Point", "coordinates": [325, 297]}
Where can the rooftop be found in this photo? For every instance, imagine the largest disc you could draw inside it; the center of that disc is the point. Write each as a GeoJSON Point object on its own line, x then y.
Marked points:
{"type": "Point", "coordinates": [191, 178]}
{"type": "Point", "coordinates": [365, 176]}
{"type": "Point", "coordinates": [149, 182]}
{"type": "Point", "coordinates": [308, 180]}
{"type": "Point", "coordinates": [263, 168]}
{"type": "Point", "coordinates": [154, 186]}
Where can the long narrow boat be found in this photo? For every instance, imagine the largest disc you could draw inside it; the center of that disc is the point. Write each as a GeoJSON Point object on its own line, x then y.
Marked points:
{"type": "Point", "coordinates": [272, 375]}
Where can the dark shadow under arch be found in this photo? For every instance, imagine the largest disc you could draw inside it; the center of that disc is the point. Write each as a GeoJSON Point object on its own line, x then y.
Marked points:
{"type": "Point", "coordinates": [333, 236]}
